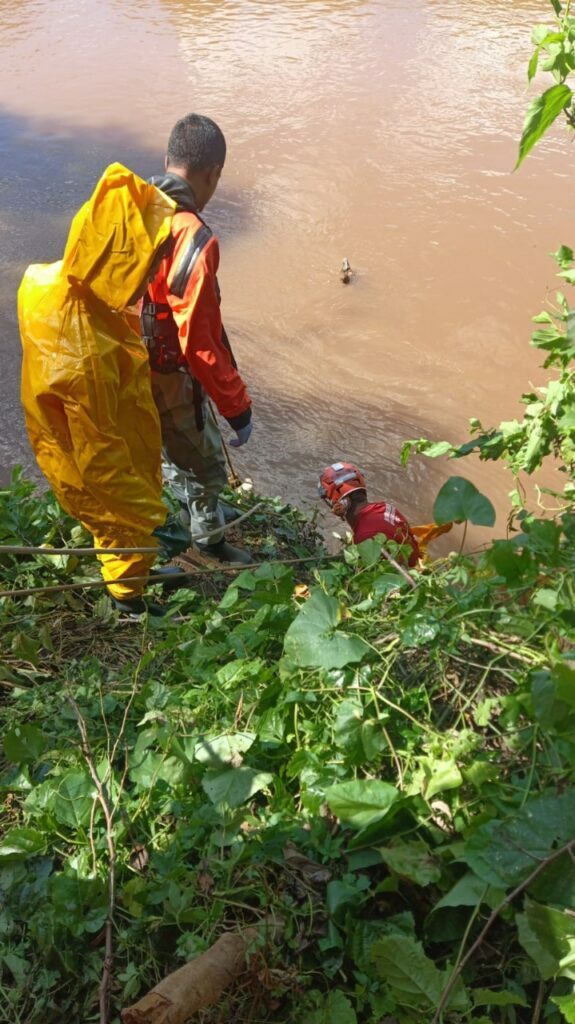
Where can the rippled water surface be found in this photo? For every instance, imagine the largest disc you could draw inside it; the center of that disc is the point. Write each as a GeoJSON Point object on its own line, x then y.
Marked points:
{"type": "Point", "coordinates": [380, 130]}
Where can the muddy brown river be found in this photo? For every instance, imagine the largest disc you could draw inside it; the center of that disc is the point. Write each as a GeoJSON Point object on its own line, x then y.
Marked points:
{"type": "Point", "coordinates": [384, 131]}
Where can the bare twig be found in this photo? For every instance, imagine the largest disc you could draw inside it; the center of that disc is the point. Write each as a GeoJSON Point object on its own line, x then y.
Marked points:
{"type": "Point", "coordinates": [109, 819]}
{"type": "Point", "coordinates": [11, 549]}
{"type": "Point", "coordinates": [109, 810]}
{"type": "Point", "coordinates": [399, 568]}
{"type": "Point", "coordinates": [155, 578]}
{"type": "Point", "coordinates": [568, 849]}
{"type": "Point", "coordinates": [498, 650]}
{"type": "Point", "coordinates": [396, 760]}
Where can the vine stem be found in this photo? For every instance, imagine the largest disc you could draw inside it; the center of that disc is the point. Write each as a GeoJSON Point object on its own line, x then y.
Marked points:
{"type": "Point", "coordinates": [539, 1003]}
{"type": "Point", "coordinates": [460, 967]}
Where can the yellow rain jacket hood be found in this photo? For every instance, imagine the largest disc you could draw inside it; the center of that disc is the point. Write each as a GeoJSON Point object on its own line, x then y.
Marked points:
{"type": "Point", "coordinates": [86, 390]}
{"type": "Point", "coordinates": [115, 235]}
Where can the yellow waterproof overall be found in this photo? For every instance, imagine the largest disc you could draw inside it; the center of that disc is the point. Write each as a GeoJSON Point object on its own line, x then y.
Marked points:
{"type": "Point", "coordinates": [86, 391]}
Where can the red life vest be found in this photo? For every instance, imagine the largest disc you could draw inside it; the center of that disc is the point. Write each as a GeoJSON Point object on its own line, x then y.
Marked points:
{"type": "Point", "coordinates": [383, 517]}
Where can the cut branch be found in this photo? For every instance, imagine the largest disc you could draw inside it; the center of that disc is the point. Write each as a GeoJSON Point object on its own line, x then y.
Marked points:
{"type": "Point", "coordinates": [199, 983]}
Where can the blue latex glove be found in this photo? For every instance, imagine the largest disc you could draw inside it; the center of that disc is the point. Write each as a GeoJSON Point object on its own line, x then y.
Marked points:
{"type": "Point", "coordinates": [242, 436]}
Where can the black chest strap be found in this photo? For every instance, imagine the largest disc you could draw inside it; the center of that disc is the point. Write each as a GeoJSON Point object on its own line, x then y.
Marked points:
{"type": "Point", "coordinates": [188, 260]}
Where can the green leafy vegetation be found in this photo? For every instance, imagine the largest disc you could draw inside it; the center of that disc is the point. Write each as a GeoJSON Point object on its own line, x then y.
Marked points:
{"type": "Point", "coordinates": [378, 767]}
{"type": "Point", "coordinates": [554, 53]}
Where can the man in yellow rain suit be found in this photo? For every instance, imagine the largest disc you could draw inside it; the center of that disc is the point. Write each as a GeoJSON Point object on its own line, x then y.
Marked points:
{"type": "Point", "coordinates": [86, 391]}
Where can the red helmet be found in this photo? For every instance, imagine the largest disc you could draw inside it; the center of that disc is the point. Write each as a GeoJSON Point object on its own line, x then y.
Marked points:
{"type": "Point", "coordinates": [337, 481]}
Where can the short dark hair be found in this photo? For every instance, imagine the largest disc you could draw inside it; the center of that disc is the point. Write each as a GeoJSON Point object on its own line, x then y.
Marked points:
{"type": "Point", "coordinates": [196, 143]}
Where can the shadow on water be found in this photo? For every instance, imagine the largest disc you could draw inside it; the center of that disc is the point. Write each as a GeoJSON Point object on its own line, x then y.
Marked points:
{"type": "Point", "coordinates": [46, 173]}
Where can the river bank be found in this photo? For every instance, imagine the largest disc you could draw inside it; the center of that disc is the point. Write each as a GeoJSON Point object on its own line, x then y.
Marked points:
{"type": "Point", "coordinates": [374, 766]}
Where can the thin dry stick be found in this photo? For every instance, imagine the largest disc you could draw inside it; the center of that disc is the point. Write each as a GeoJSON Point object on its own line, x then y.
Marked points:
{"type": "Point", "coordinates": [233, 479]}
{"type": "Point", "coordinates": [88, 584]}
{"type": "Point", "coordinates": [396, 760]}
{"type": "Point", "coordinates": [568, 849]}
{"type": "Point", "coordinates": [11, 549]}
{"type": "Point", "coordinates": [499, 650]}
{"type": "Point", "coordinates": [106, 979]}
{"type": "Point", "coordinates": [399, 568]}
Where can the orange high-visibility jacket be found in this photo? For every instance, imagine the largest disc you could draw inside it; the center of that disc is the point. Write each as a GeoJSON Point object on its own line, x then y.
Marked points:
{"type": "Point", "coordinates": [187, 283]}
{"type": "Point", "coordinates": [86, 390]}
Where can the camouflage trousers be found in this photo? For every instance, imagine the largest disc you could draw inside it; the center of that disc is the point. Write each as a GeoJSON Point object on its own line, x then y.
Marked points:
{"type": "Point", "coordinates": [193, 464]}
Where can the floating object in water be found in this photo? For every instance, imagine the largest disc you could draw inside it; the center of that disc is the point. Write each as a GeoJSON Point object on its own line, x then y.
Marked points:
{"type": "Point", "coordinates": [346, 273]}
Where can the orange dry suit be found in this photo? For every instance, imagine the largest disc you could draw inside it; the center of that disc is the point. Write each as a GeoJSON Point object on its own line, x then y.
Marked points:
{"type": "Point", "coordinates": [86, 388]}
{"type": "Point", "coordinates": [181, 320]}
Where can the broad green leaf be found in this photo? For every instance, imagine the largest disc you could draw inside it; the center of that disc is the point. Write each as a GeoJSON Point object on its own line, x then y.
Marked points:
{"type": "Point", "coordinates": [20, 843]}
{"type": "Point", "coordinates": [548, 936]}
{"type": "Point", "coordinates": [508, 561]}
{"type": "Point", "coordinates": [24, 743]}
{"type": "Point", "coordinates": [341, 895]}
{"type": "Point", "coordinates": [503, 852]}
{"type": "Point", "coordinates": [541, 114]}
{"type": "Point", "coordinates": [151, 768]}
{"type": "Point", "coordinates": [217, 751]}
{"type": "Point", "coordinates": [235, 786]}
{"type": "Point", "coordinates": [539, 33]}
{"type": "Point", "coordinates": [18, 966]}
{"type": "Point", "coordinates": [416, 982]}
{"type": "Point", "coordinates": [567, 1006]}
{"type": "Point", "coordinates": [361, 802]}
{"type": "Point", "coordinates": [412, 860]}
{"type": "Point", "coordinates": [348, 728]}
{"type": "Point", "coordinates": [313, 640]}
{"type": "Point", "coordinates": [553, 696]}
{"type": "Point", "coordinates": [74, 797]}
{"type": "Point", "coordinates": [501, 997]}
{"type": "Point", "coordinates": [556, 884]}
{"type": "Point", "coordinates": [439, 776]}
{"type": "Point", "coordinates": [134, 895]}
{"type": "Point", "coordinates": [336, 1009]}
{"type": "Point", "coordinates": [67, 798]}
{"type": "Point", "coordinates": [459, 501]}
{"type": "Point", "coordinates": [564, 256]}
{"type": "Point", "coordinates": [420, 629]}
{"type": "Point", "coordinates": [546, 598]}
{"type": "Point", "coordinates": [421, 446]}
{"type": "Point", "coordinates": [373, 739]}
{"type": "Point", "coordinates": [80, 904]}
{"type": "Point", "coordinates": [468, 892]}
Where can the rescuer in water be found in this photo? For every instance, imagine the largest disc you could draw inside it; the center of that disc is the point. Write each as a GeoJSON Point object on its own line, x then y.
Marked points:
{"type": "Point", "coordinates": [190, 355]}
{"type": "Point", "coordinates": [86, 393]}
{"type": "Point", "coordinates": [343, 487]}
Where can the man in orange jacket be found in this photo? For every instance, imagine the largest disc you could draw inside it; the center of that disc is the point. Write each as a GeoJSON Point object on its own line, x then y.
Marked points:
{"type": "Point", "coordinates": [190, 356]}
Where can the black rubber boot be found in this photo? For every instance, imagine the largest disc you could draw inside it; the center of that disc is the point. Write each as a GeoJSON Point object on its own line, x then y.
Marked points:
{"type": "Point", "coordinates": [135, 607]}
{"type": "Point", "coordinates": [225, 552]}
{"type": "Point", "coordinates": [173, 578]}
{"type": "Point", "coordinates": [229, 512]}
